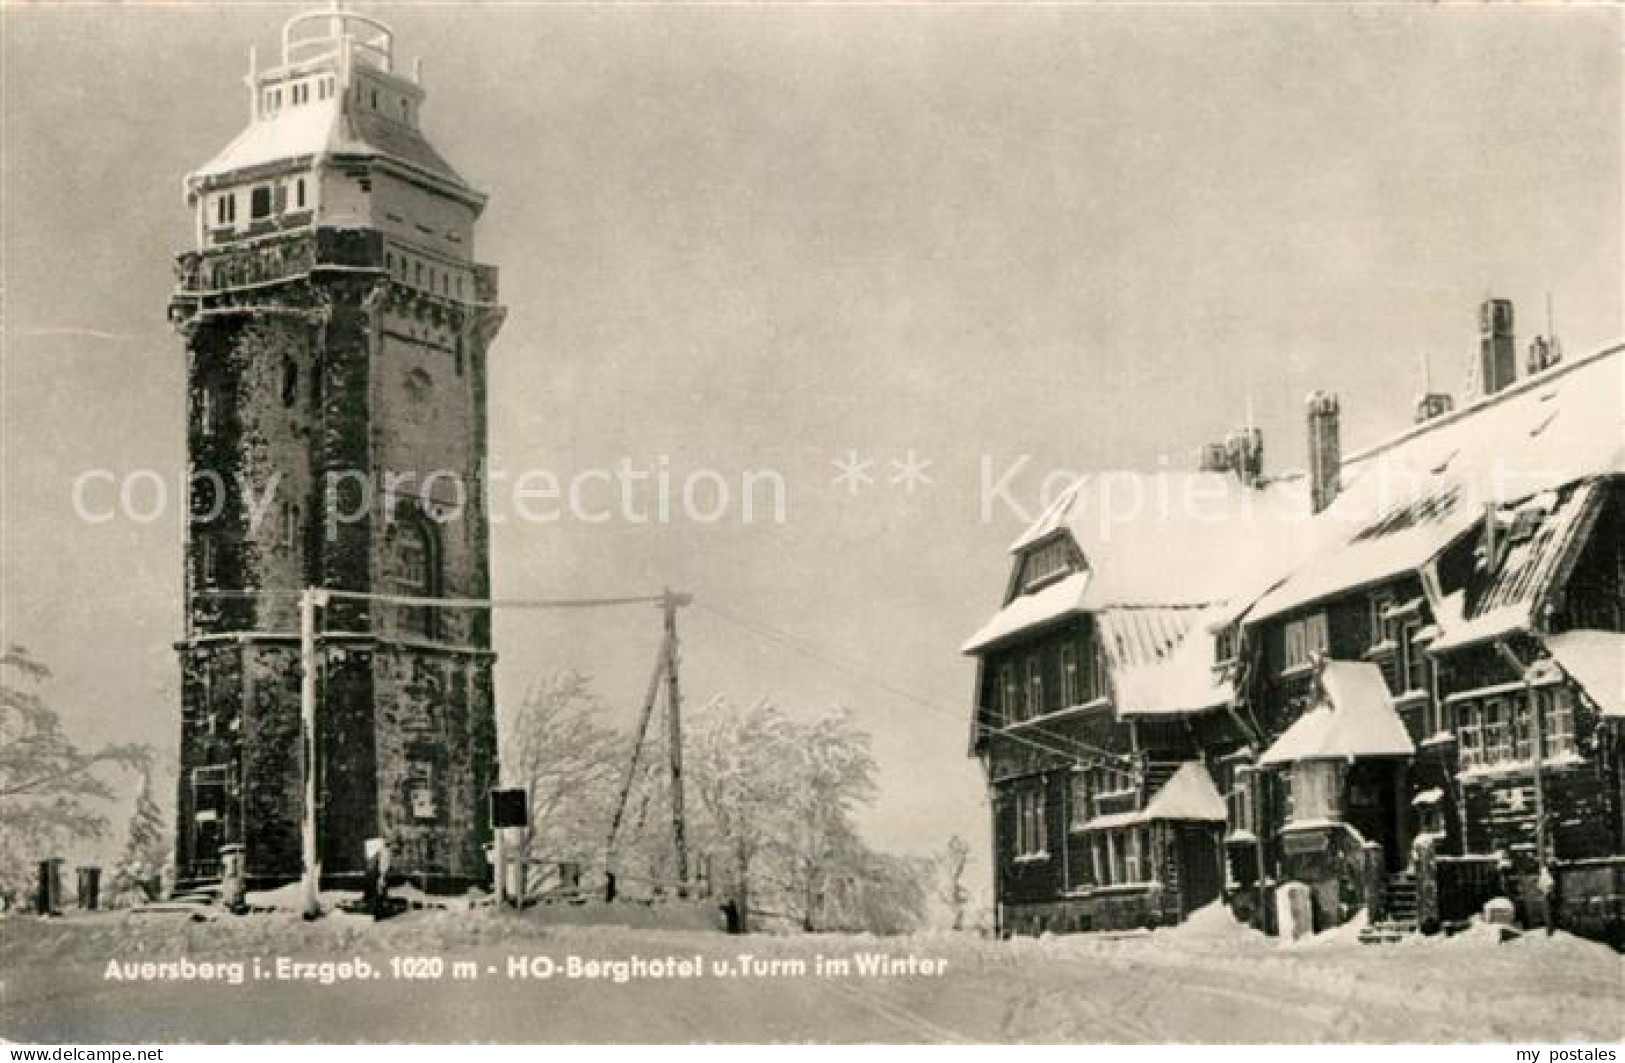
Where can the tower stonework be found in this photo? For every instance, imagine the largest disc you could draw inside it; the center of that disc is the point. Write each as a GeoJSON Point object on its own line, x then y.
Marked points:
{"type": "Point", "coordinates": [337, 327]}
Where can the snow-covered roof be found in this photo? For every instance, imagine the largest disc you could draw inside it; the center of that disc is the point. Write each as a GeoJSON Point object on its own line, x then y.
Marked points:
{"type": "Point", "coordinates": [1176, 538]}
{"type": "Point", "coordinates": [1507, 597]}
{"type": "Point", "coordinates": [1142, 636]}
{"type": "Point", "coordinates": [1184, 681]}
{"type": "Point", "coordinates": [1404, 501]}
{"type": "Point", "coordinates": [1596, 661]}
{"type": "Point", "coordinates": [1352, 717]}
{"type": "Point", "coordinates": [336, 126]}
{"type": "Point", "coordinates": [1188, 795]}
{"type": "Point", "coordinates": [1062, 598]}
{"type": "Point", "coordinates": [1150, 540]}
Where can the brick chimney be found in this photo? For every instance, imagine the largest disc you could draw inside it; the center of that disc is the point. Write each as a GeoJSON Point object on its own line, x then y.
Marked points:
{"type": "Point", "coordinates": [1325, 449]}
{"type": "Point", "coordinates": [1244, 449]}
{"type": "Point", "coordinates": [1497, 361]}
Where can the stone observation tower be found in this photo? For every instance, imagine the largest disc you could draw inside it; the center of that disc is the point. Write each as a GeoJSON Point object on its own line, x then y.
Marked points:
{"type": "Point", "coordinates": [336, 327]}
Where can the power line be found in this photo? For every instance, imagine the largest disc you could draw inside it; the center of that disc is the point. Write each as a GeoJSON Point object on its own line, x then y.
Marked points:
{"type": "Point", "coordinates": [809, 649]}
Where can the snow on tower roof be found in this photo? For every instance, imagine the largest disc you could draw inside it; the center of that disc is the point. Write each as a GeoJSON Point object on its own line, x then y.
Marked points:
{"type": "Point", "coordinates": [1353, 717]}
{"type": "Point", "coordinates": [1404, 501]}
{"type": "Point", "coordinates": [331, 128]}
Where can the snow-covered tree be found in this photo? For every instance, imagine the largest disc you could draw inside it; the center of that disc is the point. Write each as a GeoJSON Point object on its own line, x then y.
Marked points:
{"type": "Point", "coordinates": [559, 750]}
{"type": "Point", "coordinates": [832, 772]}
{"type": "Point", "coordinates": [49, 789]}
{"type": "Point", "coordinates": [139, 875]}
{"type": "Point", "coordinates": [950, 872]}
{"type": "Point", "coordinates": [739, 765]}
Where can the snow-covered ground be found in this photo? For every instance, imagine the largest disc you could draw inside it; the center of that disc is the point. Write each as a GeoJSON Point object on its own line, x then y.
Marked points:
{"type": "Point", "coordinates": [1206, 981]}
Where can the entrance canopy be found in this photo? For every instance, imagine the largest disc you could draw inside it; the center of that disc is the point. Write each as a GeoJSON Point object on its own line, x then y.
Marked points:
{"type": "Point", "coordinates": [1353, 717]}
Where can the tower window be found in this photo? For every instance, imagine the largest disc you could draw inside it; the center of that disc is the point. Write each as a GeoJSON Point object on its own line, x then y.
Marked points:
{"type": "Point", "coordinates": [290, 381]}
{"type": "Point", "coordinates": [290, 524]}
{"type": "Point", "coordinates": [417, 575]}
{"type": "Point", "coordinates": [259, 204]}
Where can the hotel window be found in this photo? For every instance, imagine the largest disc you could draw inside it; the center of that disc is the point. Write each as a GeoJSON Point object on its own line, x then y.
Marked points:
{"type": "Point", "coordinates": [1078, 796]}
{"type": "Point", "coordinates": [299, 193]}
{"type": "Point", "coordinates": [259, 202]}
{"type": "Point", "coordinates": [1316, 790]}
{"type": "Point", "coordinates": [1381, 602]}
{"type": "Point", "coordinates": [1304, 639]}
{"type": "Point", "coordinates": [225, 208]}
{"type": "Point", "coordinates": [1046, 562]}
{"type": "Point", "coordinates": [1035, 686]}
{"type": "Point", "coordinates": [1414, 662]}
{"type": "Point", "coordinates": [1472, 737]}
{"type": "Point", "coordinates": [1238, 801]}
{"type": "Point", "coordinates": [1032, 834]}
{"type": "Point", "coordinates": [1133, 856]}
{"type": "Point", "coordinates": [1497, 732]}
{"type": "Point", "coordinates": [1071, 691]}
{"type": "Point", "coordinates": [1008, 701]}
{"type": "Point", "coordinates": [1559, 721]}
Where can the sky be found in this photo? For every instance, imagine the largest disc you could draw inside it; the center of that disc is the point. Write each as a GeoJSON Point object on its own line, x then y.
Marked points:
{"type": "Point", "coordinates": [750, 239]}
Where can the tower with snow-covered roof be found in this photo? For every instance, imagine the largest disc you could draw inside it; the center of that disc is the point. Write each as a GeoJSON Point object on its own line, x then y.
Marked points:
{"type": "Point", "coordinates": [337, 325]}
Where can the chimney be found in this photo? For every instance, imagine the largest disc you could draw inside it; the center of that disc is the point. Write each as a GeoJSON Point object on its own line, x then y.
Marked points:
{"type": "Point", "coordinates": [1244, 450]}
{"type": "Point", "coordinates": [1212, 458]}
{"type": "Point", "coordinates": [1497, 361]}
{"type": "Point", "coordinates": [1430, 403]}
{"type": "Point", "coordinates": [1325, 449]}
{"type": "Point", "coordinates": [1544, 352]}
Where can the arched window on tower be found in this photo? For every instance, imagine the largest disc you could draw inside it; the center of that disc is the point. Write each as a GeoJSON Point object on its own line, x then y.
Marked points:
{"type": "Point", "coordinates": [417, 575]}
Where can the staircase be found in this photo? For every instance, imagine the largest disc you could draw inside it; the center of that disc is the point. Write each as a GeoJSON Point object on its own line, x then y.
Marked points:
{"type": "Point", "coordinates": [1400, 921]}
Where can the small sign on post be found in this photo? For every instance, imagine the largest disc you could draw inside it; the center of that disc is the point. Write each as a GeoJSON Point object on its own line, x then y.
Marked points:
{"type": "Point", "coordinates": [509, 808]}
{"type": "Point", "coordinates": [510, 814]}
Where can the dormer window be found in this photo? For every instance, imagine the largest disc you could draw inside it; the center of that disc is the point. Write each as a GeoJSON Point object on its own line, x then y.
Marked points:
{"type": "Point", "coordinates": [1046, 563]}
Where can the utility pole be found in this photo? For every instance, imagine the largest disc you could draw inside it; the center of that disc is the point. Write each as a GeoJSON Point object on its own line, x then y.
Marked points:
{"type": "Point", "coordinates": [670, 602]}
{"type": "Point", "coordinates": [309, 600]}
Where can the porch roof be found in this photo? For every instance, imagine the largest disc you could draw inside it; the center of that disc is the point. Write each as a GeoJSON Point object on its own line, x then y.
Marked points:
{"type": "Point", "coordinates": [1596, 661]}
{"type": "Point", "coordinates": [1354, 717]}
{"type": "Point", "coordinates": [1189, 795]}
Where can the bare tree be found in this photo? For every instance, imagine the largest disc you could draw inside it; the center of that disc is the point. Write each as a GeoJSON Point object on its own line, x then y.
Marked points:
{"type": "Point", "coordinates": [48, 786]}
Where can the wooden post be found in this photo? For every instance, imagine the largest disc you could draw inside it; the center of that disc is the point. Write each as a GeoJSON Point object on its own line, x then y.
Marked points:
{"type": "Point", "coordinates": [499, 853]}
{"type": "Point", "coordinates": [309, 760]}
{"type": "Point", "coordinates": [674, 736]}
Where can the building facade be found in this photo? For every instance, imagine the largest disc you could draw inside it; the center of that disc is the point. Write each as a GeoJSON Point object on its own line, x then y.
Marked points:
{"type": "Point", "coordinates": [337, 326]}
{"type": "Point", "coordinates": [1408, 697]}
